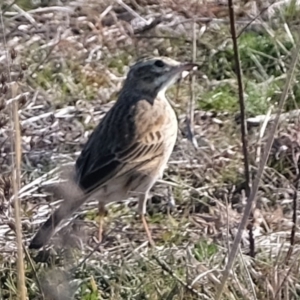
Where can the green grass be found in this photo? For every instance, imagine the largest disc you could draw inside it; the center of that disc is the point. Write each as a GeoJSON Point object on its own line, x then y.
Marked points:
{"type": "Point", "coordinates": [220, 99]}
{"type": "Point", "coordinates": [262, 58]}
{"type": "Point", "coordinates": [204, 250]}
{"type": "Point", "coordinates": [192, 238]}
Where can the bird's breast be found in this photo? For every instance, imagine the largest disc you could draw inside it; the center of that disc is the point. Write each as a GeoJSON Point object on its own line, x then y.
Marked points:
{"type": "Point", "coordinates": [160, 128]}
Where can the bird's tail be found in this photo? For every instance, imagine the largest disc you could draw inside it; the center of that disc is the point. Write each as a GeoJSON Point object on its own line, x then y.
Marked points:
{"type": "Point", "coordinates": [73, 197]}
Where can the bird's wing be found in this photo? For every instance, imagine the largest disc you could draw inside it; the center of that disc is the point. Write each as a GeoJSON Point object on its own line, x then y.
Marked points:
{"type": "Point", "coordinates": [126, 139]}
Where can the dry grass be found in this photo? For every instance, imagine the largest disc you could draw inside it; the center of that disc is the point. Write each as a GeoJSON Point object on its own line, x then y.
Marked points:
{"type": "Point", "coordinates": [71, 60]}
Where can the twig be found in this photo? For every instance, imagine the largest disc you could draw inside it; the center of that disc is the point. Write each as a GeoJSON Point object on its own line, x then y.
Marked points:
{"type": "Point", "coordinates": [25, 190]}
{"type": "Point", "coordinates": [40, 10]}
{"type": "Point", "coordinates": [140, 36]}
{"type": "Point", "coordinates": [241, 97]}
{"type": "Point", "coordinates": [294, 218]}
{"type": "Point", "coordinates": [148, 27]}
{"type": "Point", "coordinates": [16, 158]}
{"type": "Point", "coordinates": [191, 106]}
{"type": "Point", "coordinates": [8, 7]}
{"type": "Point", "coordinates": [256, 121]}
{"type": "Point", "coordinates": [252, 21]}
{"type": "Point", "coordinates": [25, 14]}
{"type": "Point", "coordinates": [130, 10]}
{"type": "Point", "coordinates": [293, 230]}
{"type": "Point", "coordinates": [262, 164]}
{"type": "Point", "coordinates": [208, 20]}
{"type": "Point", "coordinates": [203, 274]}
{"type": "Point", "coordinates": [243, 122]}
{"type": "Point", "coordinates": [261, 134]}
{"type": "Point", "coordinates": [16, 171]}
{"type": "Point", "coordinates": [243, 117]}
{"type": "Point", "coordinates": [283, 282]}
{"type": "Point", "coordinates": [17, 97]}
{"type": "Point", "coordinates": [291, 248]}
{"type": "Point", "coordinates": [61, 113]}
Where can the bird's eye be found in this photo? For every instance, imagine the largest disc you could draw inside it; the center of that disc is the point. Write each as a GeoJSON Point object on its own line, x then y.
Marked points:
{"type": "Point", "coordinates": [159, 63]}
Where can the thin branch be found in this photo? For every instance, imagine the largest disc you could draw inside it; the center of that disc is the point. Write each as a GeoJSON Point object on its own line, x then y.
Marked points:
{"type": "Point", "coordinates": [252, 21]}
{"type": "Point", "coordinates": [191, 105]}
{"type": "Point", "coordinates": [16, 171]}
{"type": "Point", "coordinates": [243, 117]}
{"type": "Point", "coordinates": [295, 206]}
{"type": "Point", "coordinates": [130, 10]}
{"type": "Point", "coordinates": [262, 164]}
{"type": "Point", "coordinates": [13, 227]}
{"type": "Point", "coordinates": [243, 120]}
{"type": "Point", "coordinates": [294, 227]}
{"type": "Point", "coordinates": [241, 97]}
{"type": "Point", "coordinates": [16, 187]}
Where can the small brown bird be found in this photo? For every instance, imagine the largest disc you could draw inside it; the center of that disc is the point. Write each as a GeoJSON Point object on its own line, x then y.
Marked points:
{"type": "Point", "coordinates": [129, 149]}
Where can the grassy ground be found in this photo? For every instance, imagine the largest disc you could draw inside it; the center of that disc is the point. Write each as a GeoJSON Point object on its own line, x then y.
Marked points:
{"type": "Point", "coordinates": [70, 65]}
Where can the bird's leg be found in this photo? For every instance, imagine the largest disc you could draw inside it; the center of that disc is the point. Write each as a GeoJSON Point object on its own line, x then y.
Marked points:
{"type": "Point", "coordinates": [101, 208]}
{"type": "Point", "coordinates": [142, 211]}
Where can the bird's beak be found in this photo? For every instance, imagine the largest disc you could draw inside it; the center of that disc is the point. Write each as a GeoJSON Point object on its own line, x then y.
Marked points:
{"type": "Point", "coordinates": [187, 68]}
{"type": "Point", "coordinates": [184, 69]}
{"type": "Point", "coordinates": [178, 72]}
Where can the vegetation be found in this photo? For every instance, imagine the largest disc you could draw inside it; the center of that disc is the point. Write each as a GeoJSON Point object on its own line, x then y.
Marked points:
{"type": "Point", "coordinates": [69, 66]}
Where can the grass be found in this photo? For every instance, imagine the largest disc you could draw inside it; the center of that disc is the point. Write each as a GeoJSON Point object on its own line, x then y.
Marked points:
{"type": "Point", "coordinates": [222, 98]}
{"type": "Point", "coordinates": [194, 238]}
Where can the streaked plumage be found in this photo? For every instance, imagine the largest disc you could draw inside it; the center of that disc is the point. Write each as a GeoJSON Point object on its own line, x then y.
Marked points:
{"type": "Point", "coordinates": [129, 149]}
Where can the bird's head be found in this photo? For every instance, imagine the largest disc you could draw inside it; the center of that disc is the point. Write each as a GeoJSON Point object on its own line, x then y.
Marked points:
{"type": "Point", "coordinates": [156, 75]}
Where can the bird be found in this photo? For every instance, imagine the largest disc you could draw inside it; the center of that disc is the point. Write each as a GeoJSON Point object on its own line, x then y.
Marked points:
{"type": "Point", "coordinates": [129, 149]}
